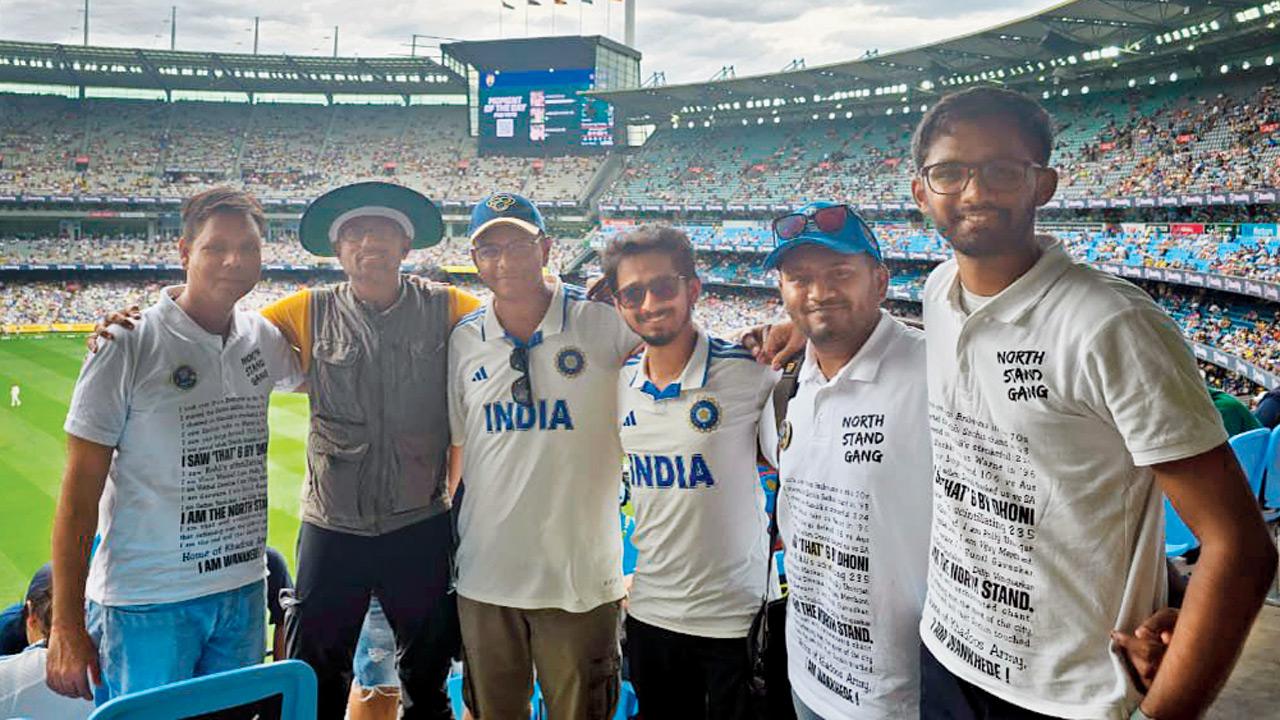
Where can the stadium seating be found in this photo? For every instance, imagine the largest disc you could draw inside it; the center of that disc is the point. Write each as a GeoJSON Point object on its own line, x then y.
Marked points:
{"type": "Point", "coordinates": [1250, 449]}
{"type": "Point", "coordinates": [285, 690]}
{"type": "Point", "coordinates": [1189, 138]}
{"type": "Point", "coordinates": [1178, 538]}
{"type": "Point", "coordinates": [144, 147]}
{"type": "Point", "coordinates": [1270, 496]}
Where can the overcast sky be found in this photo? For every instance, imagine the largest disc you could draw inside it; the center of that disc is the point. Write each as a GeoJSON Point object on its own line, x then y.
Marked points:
{"type": "Point", "coordinates": [690, 40]}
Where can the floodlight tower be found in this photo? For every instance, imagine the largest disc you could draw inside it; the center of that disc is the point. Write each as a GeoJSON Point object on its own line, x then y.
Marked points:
{"type": "Point", "coordinates": [630, 33]}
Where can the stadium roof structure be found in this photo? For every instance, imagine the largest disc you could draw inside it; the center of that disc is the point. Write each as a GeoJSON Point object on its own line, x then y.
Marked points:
{"type": "Point", "coordinates": [1068, 41]}
{"type": "Point", "coordinates": [168, 70]}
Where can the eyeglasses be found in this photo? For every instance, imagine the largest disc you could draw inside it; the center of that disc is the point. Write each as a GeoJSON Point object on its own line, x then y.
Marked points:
{"type": "Point", "coordinates": [951, 178]}
{"type": "Point", "coordinates": [518, 249]}
{"type": "Point", "coordinates": [663, 288]}
{"type": "Point", "coordinates": [522, 388]}
{"type": "Point", "coordinates": [828, 220]}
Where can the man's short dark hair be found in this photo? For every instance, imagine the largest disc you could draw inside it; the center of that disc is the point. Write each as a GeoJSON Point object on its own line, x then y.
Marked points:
{"type": "Point", "coordinates": [985, 103]}
{"type": "Point", "coordinates": [649, 239]}
{"type": "Point", "coordinates": [199, 208]}
{"type": "Point", "coordinates": [39, 602]}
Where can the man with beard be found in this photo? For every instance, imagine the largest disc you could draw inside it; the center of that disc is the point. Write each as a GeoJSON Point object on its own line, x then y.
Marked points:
{"type": "Point", "coordinates": [854, 474]}
{"type": "Point", "coordinates": [689, 407]}
{"type": "Point", "coordinates": [1063, 403]}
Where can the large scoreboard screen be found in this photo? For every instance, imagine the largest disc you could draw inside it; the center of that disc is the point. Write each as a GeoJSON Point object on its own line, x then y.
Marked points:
{"type": "Point", "coordinates": [542, 112]}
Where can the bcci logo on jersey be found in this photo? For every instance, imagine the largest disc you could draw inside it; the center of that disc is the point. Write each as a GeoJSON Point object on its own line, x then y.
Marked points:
{"type": "Point", "coordinates": [571, 362]}
{"type": "Point", "coordinates": [704, 415]}
{"type": "Point", "coordinates": [184, 377]}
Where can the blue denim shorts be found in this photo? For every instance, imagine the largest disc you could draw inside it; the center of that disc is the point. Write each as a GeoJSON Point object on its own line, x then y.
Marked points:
{"type": "Point", "coordinates": [375, 661]}
{"type": "Point", "coordinates": [145, 646]}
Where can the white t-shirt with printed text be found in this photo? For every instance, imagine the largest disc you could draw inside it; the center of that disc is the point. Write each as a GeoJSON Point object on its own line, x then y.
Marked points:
{"type": "Point", "coordinates": [701, 532]}
{"type": "Point", "coordinates": [853, 510]}
{"type": "Point", "coordinates": [1048, 405]}
{"type": "Point", "coordinates": [183, 513]}
{"type": "Point", "coordinates": [538, 527]}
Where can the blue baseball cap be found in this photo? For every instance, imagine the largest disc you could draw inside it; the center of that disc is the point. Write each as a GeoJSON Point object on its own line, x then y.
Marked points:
{"type": "Point", "coordinates": [506, 208]}
{"type": "Point", "coordinates": [855, 237]}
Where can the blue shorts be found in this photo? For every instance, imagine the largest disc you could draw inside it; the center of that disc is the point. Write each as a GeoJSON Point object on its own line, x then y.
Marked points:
{"type": "Point", "coordinates": [145, 646]}
{"type": "Point", "coordinates": [375, 661]}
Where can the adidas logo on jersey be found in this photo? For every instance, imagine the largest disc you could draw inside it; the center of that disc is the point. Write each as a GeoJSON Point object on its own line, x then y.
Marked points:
{"type": "Point", "coordinates": [481, 374]}
{"type": "Point", "coordinates": [630, 419]}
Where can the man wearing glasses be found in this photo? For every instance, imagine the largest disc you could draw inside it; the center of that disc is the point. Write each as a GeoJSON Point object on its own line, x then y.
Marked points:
{"type": "Point", "coordinates": [533, 396]}
{"type": "Point", "coordinates": [1063, 403]}
{"type": "Point", "coordinates": [689, 408]}
{"type": "Point", "coordinates": [375, 507]}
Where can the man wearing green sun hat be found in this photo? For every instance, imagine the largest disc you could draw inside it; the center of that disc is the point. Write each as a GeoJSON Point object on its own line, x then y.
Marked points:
{"type": "Point", "coordinates": [375, 505]}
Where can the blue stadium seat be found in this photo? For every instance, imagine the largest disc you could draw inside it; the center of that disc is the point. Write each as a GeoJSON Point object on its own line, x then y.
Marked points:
{"type": "Point", "coordinates": [285, 689]}
{"type": "Point", "coordinates": [1250, 448]}
{"type": "Point", "coordinates": [1178, 538]}
{"type": "Point", "coordinates": [537, 708]}
{"type": "Point", "coordinates": [628, 704]}
{"type": "Point", "coordinates": [629, 553]}
{"type": "Point", "coordinates": [1270, 495]}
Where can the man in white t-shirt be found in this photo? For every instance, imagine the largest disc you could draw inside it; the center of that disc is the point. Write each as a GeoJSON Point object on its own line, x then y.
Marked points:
{"type": "Point", "coordinates": [533, 399]}
{"type": "Point", "coordinates": [1063, 403]}
{"type": "Point", "coordinates": [854, 475]}
{"type": "Point", "coordinates": [689, 408]}
{"type": "Point", "coordinates": [166, 461]}
{"type": "Point", "coordinates": [15, 396]}
{"type": "Point", "coordinates": [23, 692]}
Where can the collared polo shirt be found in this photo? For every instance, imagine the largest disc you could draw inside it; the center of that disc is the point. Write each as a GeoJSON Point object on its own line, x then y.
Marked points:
{"type": "Point", "coordinates": [538, 527]}
{"type": "Point", "coordinates": [1048, 407]}
{"type": "Point", "coordinates": [701, 532]}
{"type": "Point", "coordinates": [184, 510]}
{"type": "Point", "coordinates": [854, 514]}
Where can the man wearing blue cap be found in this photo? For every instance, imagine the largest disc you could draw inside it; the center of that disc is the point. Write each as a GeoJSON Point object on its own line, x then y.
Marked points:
{"type": "Point", "coordinates": [533, 399]}
{"type": "Point", "coordinates": [855, 474]}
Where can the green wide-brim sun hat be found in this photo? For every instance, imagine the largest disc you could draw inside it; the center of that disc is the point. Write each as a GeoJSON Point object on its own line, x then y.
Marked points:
{"type": "Point", "coordinates": [409, 208]}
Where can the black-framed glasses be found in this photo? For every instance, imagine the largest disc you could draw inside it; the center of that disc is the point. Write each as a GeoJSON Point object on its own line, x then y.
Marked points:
{"type": "Point", "coordinates": [663, 288]}
{"type": "Point", "coordinates": [522, 388]}
{"type": "Point", "coordinates": [951, 178]}
{"type": "Point", "coordinates": [830, 220]}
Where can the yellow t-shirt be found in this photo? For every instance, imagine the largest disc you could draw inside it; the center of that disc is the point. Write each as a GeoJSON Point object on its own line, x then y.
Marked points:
{"type": "Point", "coordinates": [292, 315]}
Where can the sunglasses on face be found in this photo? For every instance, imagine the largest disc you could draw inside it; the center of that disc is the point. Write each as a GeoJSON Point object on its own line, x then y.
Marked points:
{"type": "Point", "coordinates": [829, 220]}
{"type": "Point", "coordinates": [951, 178]}
{"type": "Point", "coordinates": [522, 388]}
{"type": "Point", "coordinates": [663, 288]}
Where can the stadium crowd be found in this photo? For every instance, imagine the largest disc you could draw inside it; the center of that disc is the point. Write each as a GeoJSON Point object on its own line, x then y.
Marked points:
{"type": "Point", "coordinates": [1189, 138]}
{"type": "Point", "coordinates": [63, 146]}
{"type": "Point", "coordinates": [1201, 137]}
{"type": "Point", "coordinates": [282, 249]}
{"type": "Point", "coordinates": [1197, 247]}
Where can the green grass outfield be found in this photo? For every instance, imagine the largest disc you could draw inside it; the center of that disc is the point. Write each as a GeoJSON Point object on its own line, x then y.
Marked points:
{"type": "Point", "coordinates": [33, 449]}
